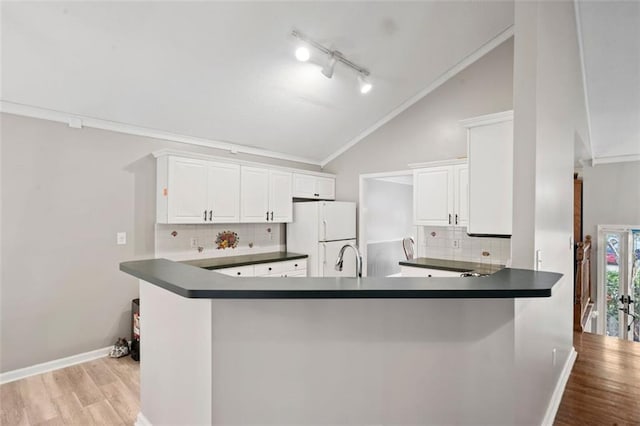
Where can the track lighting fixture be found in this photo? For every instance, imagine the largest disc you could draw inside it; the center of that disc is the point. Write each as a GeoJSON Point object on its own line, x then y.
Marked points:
{"type": "Point", "coordinates": [365, 85]}
{"type": "Point", "coordinates": [327, 70]}
{"type": "Point", "coordinates": [333, 57]}
{"type": "Point", "coordinates": [302, 54]}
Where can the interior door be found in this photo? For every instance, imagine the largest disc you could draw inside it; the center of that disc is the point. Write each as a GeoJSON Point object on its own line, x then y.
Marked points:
{"type": "Point", "coordinates": [329, 254]}
{"type": "Point", "coordinates": [337, 220]}
{"type": "Point", "coordinates": [187, 190]}
{"type": "Point", "coordinates": [254, 194]}
{"type": "Point", "coordinates": [224, 192]}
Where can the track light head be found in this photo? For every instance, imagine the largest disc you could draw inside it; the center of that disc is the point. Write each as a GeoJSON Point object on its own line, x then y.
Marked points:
{"type": "Point", "coordinates": [364, 83]}
{"type": "Point", "coordinates": [327, 70]}
{"type": "Point", "coordinates": [302, 54]}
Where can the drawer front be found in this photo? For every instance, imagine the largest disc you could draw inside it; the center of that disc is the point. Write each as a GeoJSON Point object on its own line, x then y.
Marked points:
{"type": "Point", "coordinates": [409, 271]}
{"type": "Point", "coordinates": [241, 271]}
{"type": "Point", "coordinates": [277, 268]}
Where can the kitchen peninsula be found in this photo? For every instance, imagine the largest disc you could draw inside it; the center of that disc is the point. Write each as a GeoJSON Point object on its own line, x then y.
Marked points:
{"type": "Point", "coordinates": [225, 350]}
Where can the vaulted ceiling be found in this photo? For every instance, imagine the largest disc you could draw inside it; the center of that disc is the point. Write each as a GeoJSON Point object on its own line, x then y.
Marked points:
{"type": "Point", "coordinates": [610, 35]}
{"type": "Point", "coordinates": [225, 71]}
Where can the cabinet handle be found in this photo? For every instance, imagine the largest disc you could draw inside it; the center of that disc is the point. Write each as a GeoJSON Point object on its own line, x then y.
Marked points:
{"type": "Point", "coordinates": [205, 215]}
{"type": "Point", "coordinates": [210, 214]}
{"type": "Point", "coordinates": [317, 195]}
{"type": "Point", "coordinates": [429, 276]}
{"type": "Point", "coordinates": [272, 216]}
{"type": "Point", "coordinates": [269, 268]}
{"type": "Point", "coordinates": [238, 273]}
{"type": "Point", "coordinates": [267, 216]}
{"type": "Point", "coordinates": [449, 218]}
{"type": "Point", "coordinates": [456, 218]}
{"type": "Point", "coordinates": [295, 266]}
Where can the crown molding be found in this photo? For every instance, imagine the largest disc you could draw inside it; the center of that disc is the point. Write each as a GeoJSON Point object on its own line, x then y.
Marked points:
{"type": "Point", "coordinates": [615, 159]}
{"type": "Point", "coordinates": [451, 162]}
{"type": "Point", "coordinates": [78, 121]}
{"type": "Point", "coordinates": [464, 63]}
{"type": "Point", "coordinates": [483, 120]}
{"type": "Point", "coordinates": [199, 156]}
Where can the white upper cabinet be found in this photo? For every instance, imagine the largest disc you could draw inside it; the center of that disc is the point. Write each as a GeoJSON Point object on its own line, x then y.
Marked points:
{"type": "Point", "coordinates": [280, 197]}
{"type": "Point", "coordinates": [223, 192]}
{"type": "Point", "coordinates": [186, 191]}
{"type": "Point", "coordinates": [197, 191]}
{"type": "Point", "coordinates": [265, 195]}
{"type": "Point", "coordinates": [197, 188]}
{"type": "Point", "coordinates": [313, 187]}
{"type": "Point", "coordinates": [490, 145]}
{"type": "Point", "coordinates": [440, 195]}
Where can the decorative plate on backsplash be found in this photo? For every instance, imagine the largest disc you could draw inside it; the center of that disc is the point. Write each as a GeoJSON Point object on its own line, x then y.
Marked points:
{"type": "Point", "coordinates": [227, 239]}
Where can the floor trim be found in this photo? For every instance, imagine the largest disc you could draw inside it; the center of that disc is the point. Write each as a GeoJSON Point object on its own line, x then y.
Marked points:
{"type": "Point", "coordinates": [56, 364]}
{"type": "Point", "coordinates": [141, 420]}
{"type": "Point", "coordinates": [556, 398]}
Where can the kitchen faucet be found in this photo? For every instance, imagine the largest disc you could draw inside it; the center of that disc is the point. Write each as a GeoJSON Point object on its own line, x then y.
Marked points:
{"type": "Point", "coordinates": [339, 260]}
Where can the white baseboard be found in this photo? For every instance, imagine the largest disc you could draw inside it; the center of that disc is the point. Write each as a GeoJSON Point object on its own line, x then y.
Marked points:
{"type": "Point", "coordinates": [556, 398]}
{"type": "Point", "coordinates": [141, 420]}
{"type": "Point", "coordinates": [56, 364]}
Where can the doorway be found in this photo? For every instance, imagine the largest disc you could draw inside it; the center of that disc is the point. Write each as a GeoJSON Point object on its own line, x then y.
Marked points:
{"type": "Point", "coordinates": [385, 220]}
{"type": "Point", "coordinates": [619, 281]}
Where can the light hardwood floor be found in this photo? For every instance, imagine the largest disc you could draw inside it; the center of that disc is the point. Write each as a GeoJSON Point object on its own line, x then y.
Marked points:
{"type": "Point", "coordinates": [604, 386]}
{"type": "Point", "coordinates": [101, 392]}
{"type": "Point", "coordinates": [603, 389]}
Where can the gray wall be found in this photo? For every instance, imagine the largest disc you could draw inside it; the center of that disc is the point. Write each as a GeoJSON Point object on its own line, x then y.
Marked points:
{"type": "Point", "coordinates": [429, 129]}
{"type": "Point", "coordinates": [65, 194]}
{"type": "Point", "coordinates": [611, 196]}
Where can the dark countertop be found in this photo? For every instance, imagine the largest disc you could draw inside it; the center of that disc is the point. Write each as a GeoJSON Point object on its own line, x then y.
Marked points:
{"type": "Point", "coordinates": [193, 282]}
{"type": "Point", "coordinates": [248, 259]}
{"type": "Point", "coordinates": [452, 265]}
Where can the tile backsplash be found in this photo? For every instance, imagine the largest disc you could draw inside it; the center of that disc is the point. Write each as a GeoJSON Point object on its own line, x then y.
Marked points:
{"type": "Point", "coordinates": [174, 241]}
{"type": "Point", "coordinates": [454, 244]}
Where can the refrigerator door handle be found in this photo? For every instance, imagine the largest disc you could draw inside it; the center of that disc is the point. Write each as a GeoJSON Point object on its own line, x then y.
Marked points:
{"type": "Point", "coordinates": [324, 225]}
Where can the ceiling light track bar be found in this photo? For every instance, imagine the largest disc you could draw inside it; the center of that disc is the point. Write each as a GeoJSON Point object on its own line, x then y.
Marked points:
{"type": "Point", "coordinates": [331, 53]}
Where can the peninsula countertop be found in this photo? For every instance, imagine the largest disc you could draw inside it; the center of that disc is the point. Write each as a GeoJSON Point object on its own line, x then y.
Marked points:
{"type": "Point", "coordinates": [451, 265]}
{"type": "Point", "coordinates": [193, 282]}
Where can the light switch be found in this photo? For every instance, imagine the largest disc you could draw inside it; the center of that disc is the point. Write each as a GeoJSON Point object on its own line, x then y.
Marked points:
{"type": "Point", "coordinates": [121, 238]}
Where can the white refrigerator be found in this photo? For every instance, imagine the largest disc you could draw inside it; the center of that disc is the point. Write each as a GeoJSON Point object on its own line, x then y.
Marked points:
{"type": "Point", "coordinates": [319, 229]}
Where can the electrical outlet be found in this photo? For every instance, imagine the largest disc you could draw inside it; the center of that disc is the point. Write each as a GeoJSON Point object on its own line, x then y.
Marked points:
{"type": "Point", "coordinates": [553, 357]}
{"type": "Point", "coordinates": [121, 238]}
{"type": "Point", "coordinates": [456, 244]}
{"type": "Point", "coordinates": [538, 259]}
{"type": "Point", "coordinates": [194, 242]}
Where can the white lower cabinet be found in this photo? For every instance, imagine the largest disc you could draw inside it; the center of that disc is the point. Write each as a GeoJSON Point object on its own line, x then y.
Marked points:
{"type": "Point", "coordinates": [288, 268]}
{"type": "Point", "coordinates": [411, 271]}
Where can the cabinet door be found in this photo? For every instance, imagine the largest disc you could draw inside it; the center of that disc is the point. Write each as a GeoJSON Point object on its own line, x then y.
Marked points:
{"type": "Point", "coordinates": [254, 194]}
{"type": "Point", "coordinates": [433, 196]}
{"type": "Point", "coordinates": [187, 190]}
{"type": "Point", "coordinates": [280, 198]}
{"type": "Point", "coordinates": [461, 208]}
{"type": "Point", "coordinates": [224, 193]}
{"type": "Point", "coordinates": [491, 178]}
{"type": "Point", "coordinates": [304, 186]}
{"type": "Point", "coordinates": [326, 188]}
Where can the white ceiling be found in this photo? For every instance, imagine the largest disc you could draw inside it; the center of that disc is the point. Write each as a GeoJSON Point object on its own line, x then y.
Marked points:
{"type": "Point", "coordinates": [225, 71]}
{"type": "Point", "coordinates": [610, 33]}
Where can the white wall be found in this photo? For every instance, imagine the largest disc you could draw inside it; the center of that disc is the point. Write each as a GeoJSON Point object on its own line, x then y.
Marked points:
{"type": "Point", "coordinates": [610, 196]}
{"type": "Point", "coordinates": [430, 130]}
{"type": "Point", "coordinates": [65, 194]}
{"type": "Point", "coordinates": [549, 112]}
{"type": "Point", "coordinates": [388, 216]}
